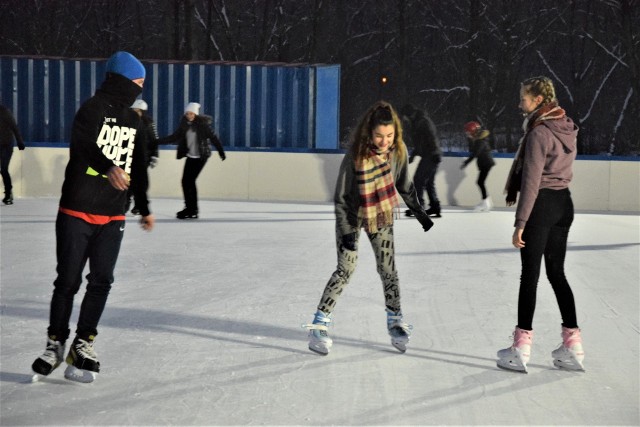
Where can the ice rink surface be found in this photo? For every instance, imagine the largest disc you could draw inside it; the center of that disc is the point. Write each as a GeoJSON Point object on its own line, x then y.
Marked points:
{"type": "Point", "coordinates": [203, 324]}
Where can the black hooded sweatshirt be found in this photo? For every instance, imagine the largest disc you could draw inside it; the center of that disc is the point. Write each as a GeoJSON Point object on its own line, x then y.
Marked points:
{"type": "Point", "coordinates": [106, 132]}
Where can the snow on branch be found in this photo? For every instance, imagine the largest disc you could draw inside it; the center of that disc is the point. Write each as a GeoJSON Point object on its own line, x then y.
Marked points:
{"type": "Point", "coordinates": [555, 76]}
{"type": "Point", "coordinates": [607, 51]}
{"type": "Point", "coordinates": [612, 146]}
{"type": "Point", "coordinates": [445, 90]}
{"type": "Point", "coordinates": [598, 91]}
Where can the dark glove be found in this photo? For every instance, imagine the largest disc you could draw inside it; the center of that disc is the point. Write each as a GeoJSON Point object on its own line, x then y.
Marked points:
{"type": "Point", "coordinates": [424, 220]}
{"type": "Point", "coordinates": [20, 147]}
{"type": "Point", "coordinates": [463, 165]}
{"type": "Point", "coordinates": [512, 198]}
{"type": "Point", "coordinates": [223, 156]}
{"type": "Point", "coordinates": [436, 158]}
{"type": "Point", "coordinates": [412, 158]}
{"type": "Point", "coordinates": [349, 241]}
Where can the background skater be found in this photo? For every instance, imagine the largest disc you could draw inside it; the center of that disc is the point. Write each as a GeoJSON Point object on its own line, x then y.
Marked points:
{"type": "Point", "coordinates": [480, 149]}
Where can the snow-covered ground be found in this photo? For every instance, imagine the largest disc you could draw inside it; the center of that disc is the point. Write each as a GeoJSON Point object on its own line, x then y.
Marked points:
{"type": "Point", "coordinates": [203, 325]}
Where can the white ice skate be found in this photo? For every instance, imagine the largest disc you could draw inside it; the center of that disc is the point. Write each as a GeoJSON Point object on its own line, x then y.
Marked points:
{"type": "Point", "coordinates": [516, 357]}
{"type": "Point", "coordinates": [570, 354]}
{"type": "Point", "coordinates": [398, 330]}
{"type": "Point", "coordinates": [484, 206]}
{"type": "Point", "coordinates": [319, 340]}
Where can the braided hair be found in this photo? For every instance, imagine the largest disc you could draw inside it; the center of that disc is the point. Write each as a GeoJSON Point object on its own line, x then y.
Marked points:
{"type": "Point", "coordinates": [540, 86]}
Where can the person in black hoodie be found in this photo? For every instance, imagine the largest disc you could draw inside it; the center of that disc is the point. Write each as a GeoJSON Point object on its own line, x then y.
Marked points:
{"type": "Point", "coordinates": [423, 136]}
{"type": "Point", "coordinates": [194, 135]}
{"type": "Point", "coordinates": [8, 130]}
{"type": "Point", "coordinates": [107, 156]}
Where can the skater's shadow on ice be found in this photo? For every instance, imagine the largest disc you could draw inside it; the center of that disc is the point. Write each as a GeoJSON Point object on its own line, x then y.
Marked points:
{"type": "Point", "coordinates": [489, 383]}
{"type": "Point", "coordinates": [237, 331]}
{"type": "Point", "coordinates": [20, 378]}
{"type": "Point", "coordinates": [609, 247]}
{"type": "Point", "coordinates": [227, 330]}
{"type": "Point", "coordinates": [202, 220]}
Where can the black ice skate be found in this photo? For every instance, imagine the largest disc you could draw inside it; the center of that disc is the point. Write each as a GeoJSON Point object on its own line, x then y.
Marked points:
{"type": "Point", "coordinates": [50, 359]}
{"type": "Point", "coordinates": [82, 360]}
{"type": "Point", "coordinates": [187, 214]}
{"type": "Point", "coordinates": [8, 198]}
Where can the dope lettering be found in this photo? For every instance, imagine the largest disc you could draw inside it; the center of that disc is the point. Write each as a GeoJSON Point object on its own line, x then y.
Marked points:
{"type": "Point", "coordinates": [117, 144]}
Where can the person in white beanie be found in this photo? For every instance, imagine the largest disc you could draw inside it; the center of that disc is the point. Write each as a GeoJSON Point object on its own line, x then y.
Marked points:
{"type": "Point", "coordinates": [150, 135]}
{"type": "Point", "coordinates": [194, 136]}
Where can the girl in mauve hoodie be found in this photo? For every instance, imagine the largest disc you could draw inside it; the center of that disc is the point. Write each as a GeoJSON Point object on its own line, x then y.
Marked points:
{"type": "Point", "coordinates": [541, 173]}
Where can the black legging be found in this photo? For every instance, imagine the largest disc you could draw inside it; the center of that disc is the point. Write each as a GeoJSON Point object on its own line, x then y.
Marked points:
{"type": "Point", "coordinates": [482, 177]}
{"type": "Point", "coordinates": [545, 234]}
{"type": "Point", "coordinates": [192, 169]}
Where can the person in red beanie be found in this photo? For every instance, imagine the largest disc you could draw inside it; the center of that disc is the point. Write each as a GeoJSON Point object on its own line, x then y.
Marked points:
{"type": "Point", "coordinates": [481, 151]}
{"type": "Point", "coordinates": [107, 157]}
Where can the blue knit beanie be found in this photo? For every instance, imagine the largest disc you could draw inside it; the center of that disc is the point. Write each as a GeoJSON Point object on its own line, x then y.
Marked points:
{"type": "Point", "coordinates": [127, 65]}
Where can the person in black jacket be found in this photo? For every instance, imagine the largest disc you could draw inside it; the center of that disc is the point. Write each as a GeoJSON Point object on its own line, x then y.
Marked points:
{"type": "Point", "coordinates": [151, 137]}
{"type": "Point", "coordinates": [194, 134]}
{"type": "Point", "coordinates": [480, 150]}
{"type": "Point", "coordinates": [424, 138]}
{"type": "Point", "coordinates": [8, 131]}
{"type": "Point", "coordinates": [107, 156]}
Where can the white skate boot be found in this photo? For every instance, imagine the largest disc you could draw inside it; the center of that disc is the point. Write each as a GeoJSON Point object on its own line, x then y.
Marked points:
{"type": "Point", "coordinates": [484, 206]}
{"type": "Point", "coordinates": [570, 354]}
{"type": "Point", "coordinates": [516, 357]}
{"type": "Point", "coordinates": [319, 340]}
{"type": "Point", "coordinates": [398, 330]}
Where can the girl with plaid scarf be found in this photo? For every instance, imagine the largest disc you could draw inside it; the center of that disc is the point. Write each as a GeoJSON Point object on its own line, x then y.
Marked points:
{"type": "Point", "coordinates": [372, 174]}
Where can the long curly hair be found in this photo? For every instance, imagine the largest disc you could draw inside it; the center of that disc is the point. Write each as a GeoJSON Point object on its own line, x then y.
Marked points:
{"type": "Point", "coordinates": [380, 113]}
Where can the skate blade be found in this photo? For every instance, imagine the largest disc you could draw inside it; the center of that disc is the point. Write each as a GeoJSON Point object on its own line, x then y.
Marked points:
{"type": "Point", "coordinates": [79, 375]}
{"type": "Point", "coordinates": [569, 365]}
{"type": "Point", "coordinates": [400, 345]}
{"type": "Point", "coordinates": [514, 367]}
{"type": "Point", "coordinates": [319, 349]}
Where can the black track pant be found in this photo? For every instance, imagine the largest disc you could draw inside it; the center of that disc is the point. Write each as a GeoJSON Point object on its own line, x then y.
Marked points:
{"type": "Point", "coordinates": [77, 242]}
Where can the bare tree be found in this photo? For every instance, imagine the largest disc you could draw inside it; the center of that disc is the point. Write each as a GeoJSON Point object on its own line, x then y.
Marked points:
{"type": "Point", "coordinates": [457, 59]}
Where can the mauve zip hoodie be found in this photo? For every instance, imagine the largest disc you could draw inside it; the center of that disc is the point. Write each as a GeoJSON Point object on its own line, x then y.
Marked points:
{"type": "Point", "coordinates": [549, 154]}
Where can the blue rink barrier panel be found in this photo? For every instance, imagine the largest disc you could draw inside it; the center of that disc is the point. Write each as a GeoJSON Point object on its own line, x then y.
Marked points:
{"type": "Point", "coordinates": [253, 105]}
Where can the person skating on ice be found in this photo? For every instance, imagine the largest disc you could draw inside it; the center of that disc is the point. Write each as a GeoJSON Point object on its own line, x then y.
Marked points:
{"type": "Point", "coordinates": [8, 132]}
{"type": "Point", "coordinates": [151, 137]}
{"type": "Point", "coordinates": [106, 159]}
{"type": "Point", "coordinates": [424, 137]}
{"type": "Point", "coordinates": [541, 173]}
{"type": "Point", "coordinates": [372, 174]}
{"type": "Point", "coordinates": [480, 149]}
{"type": "Point", "coordinates": [194, 136]}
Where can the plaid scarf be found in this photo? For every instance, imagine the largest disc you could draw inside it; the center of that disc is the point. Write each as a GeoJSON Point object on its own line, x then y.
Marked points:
{"type": "Point", "coordinates": [550, 111]}
{"type": "Point", "coordinates": [377, 192]}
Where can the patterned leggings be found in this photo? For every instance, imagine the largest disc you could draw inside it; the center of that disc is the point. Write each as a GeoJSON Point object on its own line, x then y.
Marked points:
{"type": "Point", "coordinates": [382, 244]}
